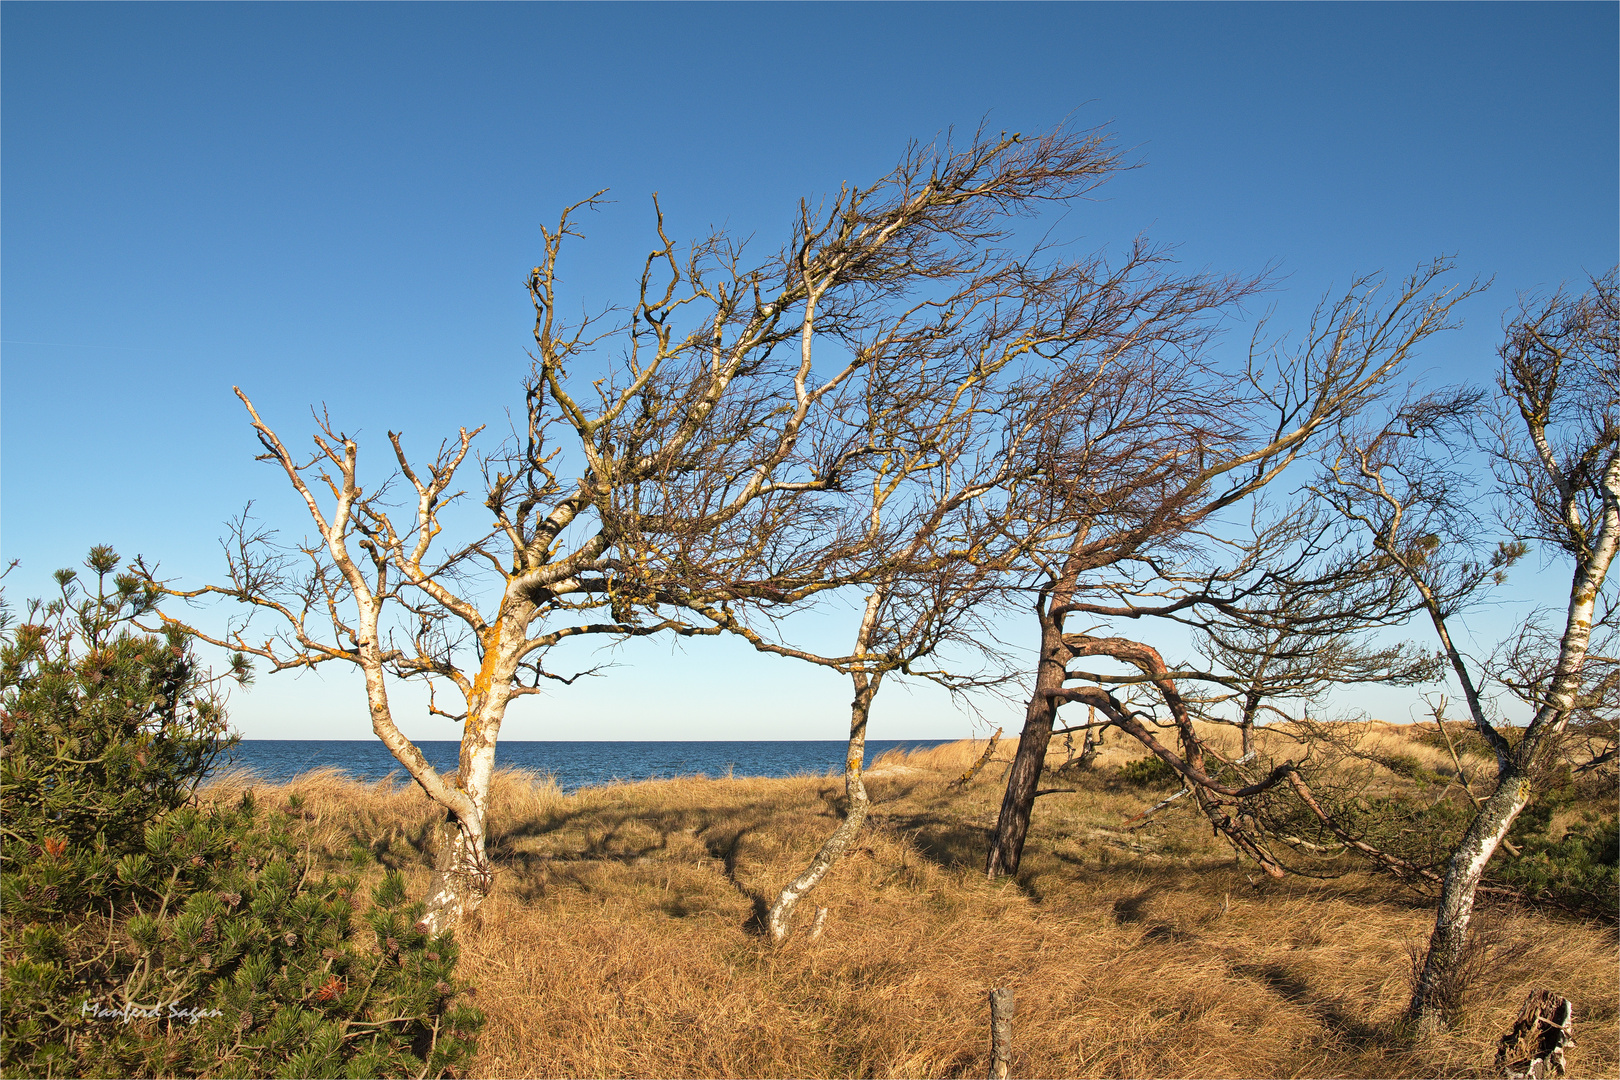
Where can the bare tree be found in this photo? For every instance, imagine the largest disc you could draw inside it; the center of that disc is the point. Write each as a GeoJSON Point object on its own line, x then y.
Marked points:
{"type": "Point", "coordinates": [1147, 443]}
{"type": "Point", "coordinates": [1555, 446]}
{"type": "Point", "coordinates": [627, 501]}
{"type": "Point", "coordinates": [904, 621]}
{"type": "Point", "coordinates": [1302, 628]}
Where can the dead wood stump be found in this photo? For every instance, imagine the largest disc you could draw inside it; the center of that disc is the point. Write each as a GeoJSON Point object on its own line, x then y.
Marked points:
{"type": "Point", "coordinates": [1535, 1047]}
{"type": "Point", "coordinates": [990, 748]}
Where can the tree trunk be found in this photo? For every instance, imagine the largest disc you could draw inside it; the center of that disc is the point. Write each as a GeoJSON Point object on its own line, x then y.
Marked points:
{"type": "Point", "coordinates": [461, 878]}
{"type": "Point", "coordinates": [463, 875]}
{"type": "Point", "coordinates": [1251, 705]}
{"type": "Point", "coordinates": [1437, 988]}
{"type": "Point", "coordinates": [1024, 778]}
{"type": "Point", "coordinates": [781, 912]}
{"type": "Point", "coordinates": [1437, 982]}
{"type": "Point", "coordinates": [1093, 743]}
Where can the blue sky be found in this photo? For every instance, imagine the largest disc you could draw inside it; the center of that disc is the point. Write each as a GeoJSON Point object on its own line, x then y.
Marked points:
{"type": "Point", "coordinates": [338, 203]}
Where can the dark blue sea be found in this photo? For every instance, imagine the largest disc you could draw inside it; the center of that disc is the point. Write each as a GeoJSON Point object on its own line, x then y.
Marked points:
{"type": "Point", "coordinates": [574, 764]}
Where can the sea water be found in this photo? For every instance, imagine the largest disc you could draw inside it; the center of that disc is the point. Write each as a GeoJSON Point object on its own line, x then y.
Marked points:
{"type": "Point", "coordinates": [573, 764]}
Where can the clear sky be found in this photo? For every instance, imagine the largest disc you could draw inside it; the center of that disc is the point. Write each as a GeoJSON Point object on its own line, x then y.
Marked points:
{"type": "Point", "coordinates": [338, 203]}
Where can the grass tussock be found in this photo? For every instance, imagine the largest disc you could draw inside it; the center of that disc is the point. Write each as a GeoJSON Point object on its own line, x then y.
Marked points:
{"type": "Point", "coordinates": [619, 939]}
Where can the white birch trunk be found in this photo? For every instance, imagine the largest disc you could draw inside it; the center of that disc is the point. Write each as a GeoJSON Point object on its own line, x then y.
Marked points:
{"type": "Point", "coordinates": [866, 688]}
{"type": "Point", "coordinates": [1436, 989]}
{"type": "Point", "coordinates": [1496, 815]}
{"type": "Point", "coordinates": [463, 875]}
{"type": "Point", "coordinates": [836, 845]}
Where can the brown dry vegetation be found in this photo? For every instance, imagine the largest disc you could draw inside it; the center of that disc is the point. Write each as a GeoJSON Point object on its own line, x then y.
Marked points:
{"type": "Point", "coordinates": [619, 939]}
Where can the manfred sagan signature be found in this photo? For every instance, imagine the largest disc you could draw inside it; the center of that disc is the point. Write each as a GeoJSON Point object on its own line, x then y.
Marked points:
{"type": "Point", "coordinates": [170, 1010]}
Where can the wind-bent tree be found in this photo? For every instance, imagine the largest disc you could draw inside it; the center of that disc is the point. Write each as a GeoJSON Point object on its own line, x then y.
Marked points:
{"type": "Point", "coordinates": [927, 473]}
{"type": "Point", "coordinates": [717, 370]}
{"type": "Point", "coordinates": [1554, 442]}
{"type": "Point", "coordinates": [936, 446]}
{"type": "Point", "coordinates": [905, 619]}
{"type": "Point", "coordinates": [1147, 442]}
{"type": "Point", "coordinates": [1293, 623]}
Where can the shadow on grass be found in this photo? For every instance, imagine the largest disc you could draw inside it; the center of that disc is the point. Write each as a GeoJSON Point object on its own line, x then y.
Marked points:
{"type": "Point", "coordinates": [945, 841]}
{"type": "Point", "coordinates": [1293, 988]}
{"type": "Point", "coordinates": [1128, 909]}
{"type": "Point", "coordinates": [727, 851]}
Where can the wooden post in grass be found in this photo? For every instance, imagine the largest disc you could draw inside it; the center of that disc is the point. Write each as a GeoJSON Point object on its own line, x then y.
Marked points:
{"type": "Point", "coordinates": [1001, 1013]}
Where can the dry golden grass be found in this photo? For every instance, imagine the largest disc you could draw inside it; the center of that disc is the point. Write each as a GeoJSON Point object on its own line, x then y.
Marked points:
{"type": "Point", "coordinates": [619, 940]}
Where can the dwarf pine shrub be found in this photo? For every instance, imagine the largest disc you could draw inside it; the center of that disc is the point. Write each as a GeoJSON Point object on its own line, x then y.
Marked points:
{"type": "Point", "coordinates": [104, 728]}
{"type": "Point", "coordinates": [144, 935]}
{"type": "Point", "coordinates": [1575, 865]}
{"type": "Point", "coordinates": [1150, 771]}
{"type": "Point", "coordinates": [1563, 849]}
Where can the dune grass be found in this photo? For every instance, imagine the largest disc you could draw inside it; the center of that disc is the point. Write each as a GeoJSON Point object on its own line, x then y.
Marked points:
{"type": "Point", "coordinates": [619, 939]}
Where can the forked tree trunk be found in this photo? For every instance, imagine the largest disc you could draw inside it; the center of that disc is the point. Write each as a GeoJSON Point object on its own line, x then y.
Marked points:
{"type": "Point", "coordinates": [463, 875]}
{"type": "Point", "coordinates": [781, 913]}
